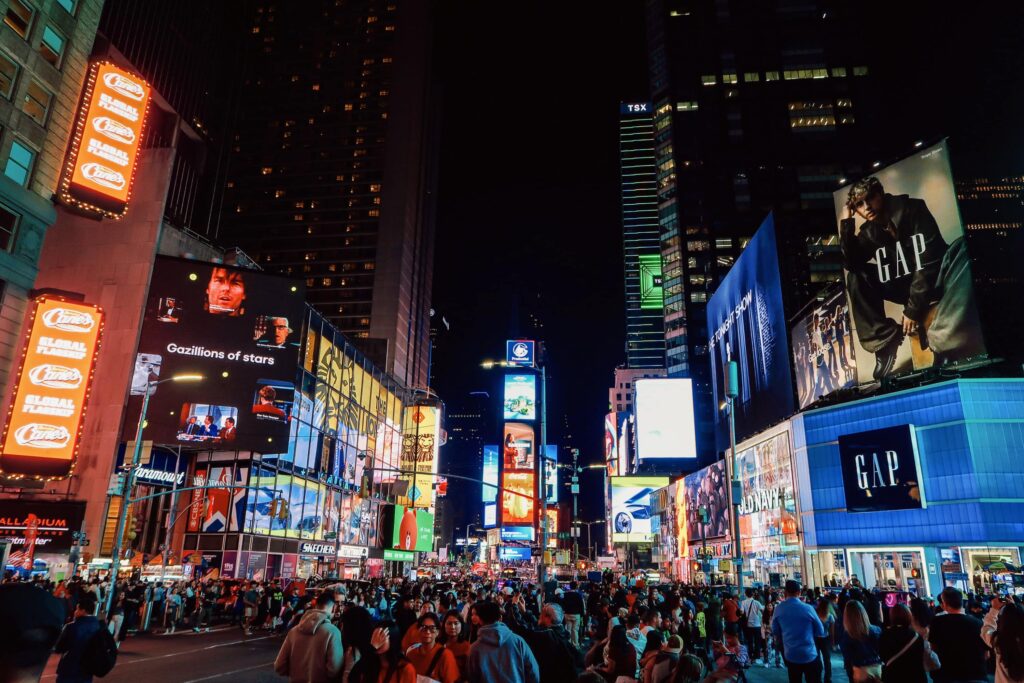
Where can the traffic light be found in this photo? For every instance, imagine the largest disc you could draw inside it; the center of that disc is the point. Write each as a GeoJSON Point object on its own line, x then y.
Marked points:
{"type": "Point", "coordinates": [279, 509]}
{"type": "Point", "coordinates": [364, 483]}
{"type": "Point", "coordinates": [915, 573]}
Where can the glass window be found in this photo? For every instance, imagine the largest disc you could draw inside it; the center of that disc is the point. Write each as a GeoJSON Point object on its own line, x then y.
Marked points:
{"type": "Point", "coordinates": [686, 106]}
{"type": "Point", "coordinates": [8, 75]}
{"type": "Point", "coordinates": [8, 227]}
{"type": "Point", "coordinates": [838, 71]}
{"type": "Point", "coordinates": [709, 79]}
{"type": "Point", "coordinates": [723, 243]}
{"type": "Point", "coordinates": [37, 103]}
{"type": "Point", "coordinates": [52, 46]}
{"type": "Point", "coordinates": [729, 78]}
{"type": "Point", "coordinates": [860, 71]}
{"type": "Point", "coordinates": [19, 17]}
{"type": "Point", "coordinates": [771, 75]}
{"type": "Point", "coordinates": [751, 77]}
{"type": "Point", "coordinates": [19, 163]}
{"type": "Point", "coordinates": [68, 5]}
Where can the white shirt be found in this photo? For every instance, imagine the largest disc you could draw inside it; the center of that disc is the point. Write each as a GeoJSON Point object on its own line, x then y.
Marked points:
{"type": "Point", "coordinates": [752, 609]}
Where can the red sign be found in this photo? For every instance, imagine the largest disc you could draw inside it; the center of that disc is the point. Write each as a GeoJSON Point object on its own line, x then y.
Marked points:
{"type": "Point", "coordinates": [517, 502]}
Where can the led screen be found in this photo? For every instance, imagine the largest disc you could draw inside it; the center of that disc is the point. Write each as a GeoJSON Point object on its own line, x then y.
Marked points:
{"type": "Point", "coordinates": [631, 508]}
{"type": "Point", "coordinates": [517, 533]}
{"type": "Point", "coordinates": [514, 554]}
{"type": "Point", "coordinates": [708, 488]}
{"type": "Point", "coordinates": [518, 449]}
{"type": "Point", "coordinates": [881, 470]}
{"type": "Point", "coordinates": [823, 356]}
{"type": "Point", "coordinates": [551, 473]}
{"type": "Point", "coordinates": [413, 529]}
{"type": "Point", "coordinates": [651, 292]}
{"type": "Point", "coordinates": [490, 475]}
{"type": "Point", "coordinates": [490, 515]}
{"type": "Point", "coordinates": [420, 437]}
{"type": "Point", "coordinates": [520, 397]}
{"type": "Point", "coordinates": [664, 419]}
{"type": "Point", "coordinates": [517, 500]}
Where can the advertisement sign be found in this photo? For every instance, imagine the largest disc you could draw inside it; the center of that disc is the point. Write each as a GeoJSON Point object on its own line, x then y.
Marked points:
{"type": "Point", "coordinates": [517, 533]}
{"type": "Point", "coordinates": [100, 165]}
{"type": "Point", "coordinates": [768, 521]}
{"type": "Point", "coordinates": [680, 520]}
{"type": "Point", "coordinates": [518, 450]}
{"type": "Point", "coordinates": [520, 352]}
{"type": "Point", "coordinates": [420, 440]}
{"type": "Point", "coordinates": [707, 487]}
{"type": "Point", "coordinates": [51, 524]}
{"type": "Point", "coordinates": [237, 328]}
{"type": "Point", "coordinates": [823, 356]}
{"type": "Point", "coordinates": [285, 505]}
{"type": "Point", "coordinates": [552, 515]}
{"type": "Point", "coordinates": [221, 508]}
{"type": "Point", "coordinates": [51, 389]}
{"type": "Point", "coordinates": [490, 475]}
{"type": "Point", "coordinates": [665, 425]}
{"type": "Point", "coordinates": [652, 295]}
{"type": "Point", "coordinates": [631, 508]}
{"type": "Point", "coordinates": [551, 474]}
{"type": "Point", "coordinates": [490, 515]}
{"type": "Point", "coordinates": [746, 323]}
{"type": "Point", "coordinates": [611, 445]}
{"type": "Point", "coordinates": [517, 501]}
{"type": "Point", "coordinates": [625, 444]}
{"type": "Point", "coordinates": [908, 275]}
{"type": "Point", "coordinates": [508, 553]}
{"type": "Point", "coordinates": [520, 397]}
{"type": "Point", "coordinates": [413, 529]}
{"type": "Point", "coordinates": [398, 555]}
{"type": "Point", "coordinates": [881, 470]}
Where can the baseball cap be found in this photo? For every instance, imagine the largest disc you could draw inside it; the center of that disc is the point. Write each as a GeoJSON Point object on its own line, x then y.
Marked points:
{"type": "Point", "coordinates": [673, 644]}
{"type": "Point", "coordinates": [30, 622]}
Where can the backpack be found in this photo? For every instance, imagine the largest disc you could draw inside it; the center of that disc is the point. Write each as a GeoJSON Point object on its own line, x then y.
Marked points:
{"type": "Point", "coordinates": [99, 655]}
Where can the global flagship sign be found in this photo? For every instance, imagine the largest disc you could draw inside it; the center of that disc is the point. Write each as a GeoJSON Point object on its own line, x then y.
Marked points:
{"type": "Point", "coordinates": [881, 470]}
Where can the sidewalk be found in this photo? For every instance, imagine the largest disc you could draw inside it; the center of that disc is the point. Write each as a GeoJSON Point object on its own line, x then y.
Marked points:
{"type": "Point", "coordinates": [759, 674]}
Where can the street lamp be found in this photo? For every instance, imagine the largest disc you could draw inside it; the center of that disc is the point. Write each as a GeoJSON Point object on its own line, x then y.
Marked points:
{"type": "Point", "coordinates": [129, 477]}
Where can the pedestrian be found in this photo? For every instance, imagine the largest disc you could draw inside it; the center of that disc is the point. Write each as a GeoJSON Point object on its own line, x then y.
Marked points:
{"type": "Point", "coordinates": [115, 621]}
{"type": "Point", "coordinates": [796, 625]}
{"type": "Point", "coordinates": [620, 656]}
{"type": "Point", "coordinates": [455, 638]}
{"type": "Point", "coordinates": [1003, 631]}
{"type": "Point", "coordinates": [498, 655]}
{"type": "Point", "coordinates": [690, 669]}
{"type": "Point", "coordinates": [859, 645]}
{"type": "Point", "coordinates": [75, 644]}
{"type": "Point", "coordinates": [356, 629]}
{"type": "Point", "coordinates": [901, 649]}
{"type": "Point", "coordinates": [827, 643]}
{"type": "Point", "coordinates": [731, 656]}
{"type": "Point", "coordinates": [30, 624]}
{"type": "Point", "coordinates": [556, 656]}
{"type": "Point", "coordinates": [572, 605]}
{"type": "Point", "coordinates": [658, 667]}
{"type": "Point", "coordinates": [431, 659]}
{"type": "Point", "coordinates": [955, 638]}
{"type": "Point", "coordinates": [173, 610]}
{"type": "Point", "coordinates": [384, 663]}
{"type": "Point", "coordinates": [752, 611]}
{"type": "Point", "coordinates": [312, 651]}
{"type": "Point", "coordinates": [251, 599]}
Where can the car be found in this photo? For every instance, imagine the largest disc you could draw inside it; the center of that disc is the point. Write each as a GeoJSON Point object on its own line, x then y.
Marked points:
{"type": "Point", "coordinates": [637, 507]}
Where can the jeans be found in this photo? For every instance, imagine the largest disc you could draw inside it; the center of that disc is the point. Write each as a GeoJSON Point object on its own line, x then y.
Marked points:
{"type": "Point", "coordinates": [754, 645]}
{"type": "Point", "coordinates": [572, 624]}
{"type": "Point", "coordinates": [825, 648]}
{"type": "Point", "coordinates": [809, 672]}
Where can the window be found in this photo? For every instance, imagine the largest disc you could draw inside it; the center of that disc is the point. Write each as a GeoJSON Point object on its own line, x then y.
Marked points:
{"type": "Point", "coordinates": [686, 106]}
{"type": "Point", "coordinates": [751, 77]}
{"type": "Point", "coordinates": [19, 17]}
{"type": "Point", "coordinates": [709, 79]}
{"type": "Point", "coordinates": [19, 163]}
{"type": "Point", "coordinates": [729, 78]}
{"type": "Point", "coordinates": [771, 75]}
{"type": "Point", "coordinates": [8, 75]}
{"type": "Point", "coordinates": [723, 243]}
{"type": "Point", "coordinates": [838, 72]}
{"type": "Point", "coordinates": [52, 46]}
{"type": "Point", "coordinates": [8, 227]}
{"type": "Point", "coordinates": [699, 297]}
{"type": "Point", "coordinates": [68, 5]}
{"type": "Point", "coordinates": [860, 71]}
{"type": "Point", "coordinates": [37, 103]}
{"type": "Point", "coordinates": [812, 115]}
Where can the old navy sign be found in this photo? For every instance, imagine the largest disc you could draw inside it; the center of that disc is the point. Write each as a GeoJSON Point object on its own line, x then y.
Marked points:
{"type": "Point", "coordinates": [882, 470]}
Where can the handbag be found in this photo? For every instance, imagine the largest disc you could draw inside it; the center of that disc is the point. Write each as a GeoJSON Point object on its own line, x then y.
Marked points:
{"type": "Point", "coordinates": [899, 654]}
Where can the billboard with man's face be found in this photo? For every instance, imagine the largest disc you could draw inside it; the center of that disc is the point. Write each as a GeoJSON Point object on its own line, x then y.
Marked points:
{"type": "Point", "coordinates": [237, 328]}
{"type": "Point", "coordinates": [908, 275]}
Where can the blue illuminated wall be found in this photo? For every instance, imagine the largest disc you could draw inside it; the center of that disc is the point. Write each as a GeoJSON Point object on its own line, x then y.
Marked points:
{"type": "Point", "coordinates": [970, 436]}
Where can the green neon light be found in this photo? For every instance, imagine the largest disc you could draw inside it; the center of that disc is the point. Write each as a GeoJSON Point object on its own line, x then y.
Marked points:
{"type": "Point", "coordinates": [652, 296]}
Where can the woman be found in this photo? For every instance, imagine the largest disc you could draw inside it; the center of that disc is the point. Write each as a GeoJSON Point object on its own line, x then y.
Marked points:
{"type": "Point", "coordinates": [173, 610]}
{"type": "Point", "coordinates": [825, 645]}
{"type": "Point", "coordinates": [689, 670]}
{"type": "Point", "coordinates": [859, 644]}
{"type": "Point", "coordinates": [412, 636]}
{"type": "Point", "coordinates": [771, 649]}
{"type": "Point", "coordinates": [901, 649]}
{"type": "Point", "coordinates": [619, 656]}
{"type": "Point", "coordinates": [356, 628]}
{"type": "Point", "coordinates": [1003, 631]}
{"type": "Point", "coordinates": [431, 659]}
{"type": "Point", "coordinates": [455, 640]}
{"type": "Point", "coordinates": [383, 663]}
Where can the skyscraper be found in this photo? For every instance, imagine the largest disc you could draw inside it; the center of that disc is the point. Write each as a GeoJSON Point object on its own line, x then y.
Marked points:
{"type": "Point", "coordinates": [645, 330]}
{"type": "Point", "coordinates": [331, 167]}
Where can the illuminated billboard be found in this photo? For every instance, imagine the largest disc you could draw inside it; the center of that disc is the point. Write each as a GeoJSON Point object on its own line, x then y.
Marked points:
{"type": "Point", "coordinates": [552, 515]}
{"type": "Point", "coordinates": [651, 293]}
{"type": "Point", "coordinates": [520, 398]}
{"type": "Point", "coordinates": [551, 473]}
{"type": "Point", "coordinates": [908, 274]}
{"type": "Point", "coordinates": [707, 488]}
{"type": "Point", "coordinates": [510, 553]}
{"type": "Point", "coordinates": [767, 509]}
{"type": "Point", "coordinates": [51, 389]}
{"type": "Point", "coordinates": [665, 425]}
{"type": "Point", "coordinates": [413, 529]}
{"type": "Point", "coordinates": [220, 508]}
{"type": "Point", "coordinates": [520, 352]}
{"type": "Point", "coordinates": [100, 165]}
{"type": "Point", "coordinates": [517, 533]}
{"type": "Point", "coordinates": [611, 444]}
{"type": "Point", "coordinates": [517, 500]}
{"type": "Point", "coordinates": [490, 475]}
{"type": "Point", "coordinates": [420, 438]}
{"type": "Point", "coordinates": [823, 357]}
{"type": "Point", "coordinates": [237, 328]}
{"type": "Point", "coordinates": [631, 508]}
{"type": "Point", "coordinates": [518, 449]}
{"type": "Point", "coordinates": [490, 515]}
{"type": "Point", "coordinates": [285, 505]}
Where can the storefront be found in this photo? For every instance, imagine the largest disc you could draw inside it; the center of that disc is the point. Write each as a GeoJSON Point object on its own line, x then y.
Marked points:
{"type": "Point", "coordinates": [38, 535]}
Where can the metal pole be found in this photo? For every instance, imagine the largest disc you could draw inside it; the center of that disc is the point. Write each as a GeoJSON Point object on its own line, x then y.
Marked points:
{"type": "Point", "coordinates": [732, 384]}
{"type": "Point", "coordinates": [541, 568]}
{"type": "Point", "coordinates": [170, 517]}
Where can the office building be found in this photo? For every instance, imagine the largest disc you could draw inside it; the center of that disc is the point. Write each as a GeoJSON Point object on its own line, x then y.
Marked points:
{"type": "Point", "coordinates": [620, 396]}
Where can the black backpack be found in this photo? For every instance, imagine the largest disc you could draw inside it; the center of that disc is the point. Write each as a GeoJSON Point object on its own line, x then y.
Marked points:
{"type": "Point", "coordinates": [100, 654]}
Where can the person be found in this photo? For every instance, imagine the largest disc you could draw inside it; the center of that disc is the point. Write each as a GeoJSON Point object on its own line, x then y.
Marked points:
{"type": "Point", "coordinates": [229, 433]}
{"type": "Point", "coordinates": [572, 606]}
{"type": "Point", "coordinates": [173, 610]}
{"type": "Point", "coordinates": [74, 641]}
{"type": "Point", "coordinates": [279, 331]}
{"type": "Point", "coordinates": [956, 638]}
{"type": "Point", "coordinates": [384, 663]}
{"type": "Point", "coordinates": [1003, 631]}
{"type": "Point", "coordinates": [653, 640]}
{"type": "Point", "coordinates": [115, 620]}
{"type": "Point", "coordinates": [690, 669]}
{"type": "Point", "coordinates": [191, 428]}
{"type": "Point", "coordinates": [828, 641]}
{"type": "Point", "coordinates": [312, 652]}
{"type": "Point", "coordinates": [752, 609]}
{"type": "Point", "coordinates": [431, 659]}
{"type": "Point", "coordinates": [658, 667]}
{"type": "Point", "coordinates": [498, 655]}
{"type": "Point", "coordinates": [901, 649]}
{"type": "Point", "coordinates": [356, 629]}
{"type": "Point", "coordinates": [251, 599]}
{"type": "Point", "coordinates": [455, 637]}
{"type": "Point", "coordinates": [620, 656]}
{"type": "Point", "coordinates": [731, 657]}
{"type": "Point", "coordinates": [265, 403]}
{"type": "Point", "coordinates": [557, 658]}
{"type": "Point", "coordinates": [796, 624]}
{"type": "Point", "coordinates": [209, 429]}
{"type": "Point", "coordinates": [30, 623]}
{"type": "Point", "coordinates": [225, 293]}
{"type": "Point", "coordinates": [859, 644]}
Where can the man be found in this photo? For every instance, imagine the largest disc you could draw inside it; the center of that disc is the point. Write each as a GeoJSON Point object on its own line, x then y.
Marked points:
{"type": "Point", "coordinates": [956, 638]}
{"type": "Point", "coordinates": [657, 667]}
{"type": "Point", "coordinates": [649, 631]}
{"type": "Point", "coordinates": [30, 623]}
{"type": "Point", "coordinates": [191, 428]}
{"type": "Point", "coordinates": [572, 606]}
{"type": "Point", "coordinates": [279, 331]}
{"type": "Point", "coordinates": [796, 625]}
{"type": "Point", "coordinates": [312, 651]}
{"type": "Point", "coordinates": [251, 599]}
{"type": "Point", "coordinates": [499, 655]}
{"type": "Point", "coordinates": [229, 432]}
{"type": "Point", "coordinates": [265, 403]}
{"type": "Point", "coordinates": [225, 293]}
{"type": "Point", "coordinates": [752, 609]}
{"type": "Point", "coordinates": [74, 641]}
{"type": "Point", "coordinates": [209, 429]}
{"type": "Point", "coordinates": [558, 658]}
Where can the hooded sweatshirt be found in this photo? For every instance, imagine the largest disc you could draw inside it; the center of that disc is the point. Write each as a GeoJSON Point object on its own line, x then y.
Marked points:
{"type": "Point", "coordinates": [312, 652]}
{"type": "Point", "coordinates": [500, 656]}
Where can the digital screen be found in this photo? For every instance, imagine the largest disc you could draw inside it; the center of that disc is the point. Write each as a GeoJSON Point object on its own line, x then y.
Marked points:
{"type": "Point", "coordinates": [552, 515]}
{"type": "Point", "coordinates": [52, 387]}
{"type": "Point", "coordinates": [611, 444]}
{"type": "Point", "coordinates": [882, 470]}
{"type": "Point", "coordinates": [420, 440]}
{"type": "Point", "coordinates": [220, 508]}
{"type": "Point", "coordinates": [665, 425]}
{"type": "Point", "coordinates": [520, 397]}
{"type": "Point", "coordinates": [652, 295]}
{"type": "Point", "coordinates": [823, 356]}
{"type": "Point", "coordinates": [906, 264]}
{"type": "Point", "coordinates": [285, 505]}
{"type": "Point", "coordinates": [413, 529]}
{"type": "Point", "coordinates": [512, 554]}
{"type": "Point", "coordinates": [237, 328]}
{"type": "Point", "coordinates": [631, 508]}
{"type": "Point", "coordinates": [746, 324]}
{"type": "Point", "coordinates": [518, 449]}
{"type": "Point", "coordinates": [490, 515]}
{"type": "Point", "coordinates": [517, 500]}
{"type": "Point", "coordinates": [551, 473]}
{"type": "Point", "coordinates": [490, 476]}
{"type": "Point", "coordinates": [519, 352]}
{"type": "Point", "coordinates": [54, 523]}
{"type": "Point", "coordinates": [707, 487]}
{"type": "Point", "coordinates": [517, 533]}
{"type": "Point", "coordinates": [767, 508]}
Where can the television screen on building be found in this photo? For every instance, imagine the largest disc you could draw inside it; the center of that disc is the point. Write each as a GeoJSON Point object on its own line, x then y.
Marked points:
{"type": "Point", "coordinates": [413, 529]}
{"type": "Point", "coordinates": [520, 397]}
{"type": "Point", "coordinates": [490, 476]}
{"type": "Point", "coordinates": [908, 274]}
{"type": "Point", "coordinates": [631, 508]}
{"type": "Point", "coordinates": [882, 470]}
{"type": "Point", "coordinates": [490, 515]}
{"type": "Point", "coordinates": [518, 447]}
{"type": "Point", "coordinates": [747, 324]}
{"type": "Point", "coordinates": [517, 533]}
{"type": "Point", "coordinates": [823, 358]}
{"type": "Point", "coordinates": [517, 500]}
{"type": "Point", "coordinates": [551, 473]}
{"type": "Point", "coordinates": [511, 553]}
{"type": "Point", "coordinates": [665, 425]}
{"type": "Point", "coordinates": [707, 488]}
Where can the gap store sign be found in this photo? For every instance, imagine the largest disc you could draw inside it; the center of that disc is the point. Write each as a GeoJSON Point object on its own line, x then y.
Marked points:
{"type": "Point", "coordinates": [881, 470]}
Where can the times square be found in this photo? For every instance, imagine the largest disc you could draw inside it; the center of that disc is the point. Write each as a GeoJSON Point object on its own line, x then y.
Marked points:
{"type": "Point", "coordinates": [369, 342]}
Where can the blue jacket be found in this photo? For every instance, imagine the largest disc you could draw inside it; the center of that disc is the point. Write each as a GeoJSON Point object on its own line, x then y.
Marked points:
{"type": "Point", "coordinates": [500, 656]}
{"type": "Point", "coordinates": [71, 646]}
{"type": "Point", "coordinates": [797, 624]}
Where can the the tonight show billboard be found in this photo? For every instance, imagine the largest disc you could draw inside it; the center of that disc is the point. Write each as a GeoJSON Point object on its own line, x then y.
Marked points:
{"type": "Point", "coordinates": [746, 323]}
{"type": "Point", "coordinates": [631, 508]}
{"type": "Point", "coordinates": [823, 357]}
{"type": "Point", "coordinates": [908, 275]}
{"type": "Point", "coordinates": [238, 328]}
{"type": "Point", "coordinates": [665, 426]}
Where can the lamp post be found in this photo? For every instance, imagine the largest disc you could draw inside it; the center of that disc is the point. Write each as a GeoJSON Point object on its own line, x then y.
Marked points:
{"type": "Point", "coordinates": [129, 480]}
{"type": "Point", "coordinates": [735, 488]}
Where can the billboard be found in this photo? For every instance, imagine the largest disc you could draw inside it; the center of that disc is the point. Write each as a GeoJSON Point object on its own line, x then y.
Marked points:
{"type": "Point", "coordinates": [680, 521]}
{"type": "Point", "coordinates": [286, 505]}
{"type": "Point", "coordinates": [552, 515]}
{"type": "Point", "coordinates": [490, 515]}
{"type": "Point", "coordinates": [652, 295]}
{"type": "Point", "coordinates": [882, 470]}
{"type": "Point", "coordinates": [746, 323]}
{"type": "Point", "coordinates": [631, 508]}
{"type": "Point", "coordinates": [520, 352]}
{"type": "Point", "coordinates": [518, 449]}
{"type": "Point", "coordinates": [823, 357]}
{"type": "Point", "coordinates": [767, 508]}
{"type": "Point", "coordinates": [100, 165]}
{"type": "Point", "coordinates": [221, 508]}
{"type": "Point", "coordinates": [520, 398]}
{"type": "Point", "coordinates": [908, 275]}
{"type": "Point", "coordinates": [51, 389]}
{"type": "Point", "coordinates": [510, 553]}
{"type": "Point", "coordinates": [551, 474]}
{"type": "Point", "coordinates": [413, 529]}
{"type": "Point", "coordinates": [707, 487]}
{"type": "Point", "coordinates": [53, 523]}
{"type": "Point", "coordinates": [240, 330]}
{"type": "Point", "coordinates": [490, 475]}
{"type": "Point", "coordinates": [517, 500]}
{"type": "Point", "coordinates": [665, 426]}
{"type": "Point", "coordinates": [420, 439]}
{"type": "Point", "coordinates": [611, 444]}
{"type": "Point", "coordinates": [517, 533]}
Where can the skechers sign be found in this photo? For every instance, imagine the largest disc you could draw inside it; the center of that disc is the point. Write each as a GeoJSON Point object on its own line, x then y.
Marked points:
{"type": "Point", "coordinates": [519, 352]}
{"type": "Point", "coordinates": [881, 470]}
